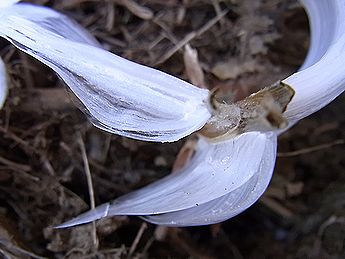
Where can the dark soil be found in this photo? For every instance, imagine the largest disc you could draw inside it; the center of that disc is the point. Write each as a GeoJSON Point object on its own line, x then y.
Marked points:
{"type": "Point", "coordinates": [42, 179]}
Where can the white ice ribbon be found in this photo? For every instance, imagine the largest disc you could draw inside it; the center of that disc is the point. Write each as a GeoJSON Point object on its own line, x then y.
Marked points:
{"type": "Point", "coordinates": [3, 83]}
{"type": "Point", "coordinates": [7, 3]}
{"type": "Point", "coordinates": [3, 74]}
{"type": "Point", "coordinates": [123, 97]}
{"type": "Point", "coordinates": [120, 96]}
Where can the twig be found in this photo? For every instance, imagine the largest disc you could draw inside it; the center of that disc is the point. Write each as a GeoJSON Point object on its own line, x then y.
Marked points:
{"type": "Point", "coordinates": [147, 246]}
{"type": "Point", "coordinates": [189, 37]}
{"type": "Point", "coordinates": [29, 80]}
{"type": "Point", "coordinates": [48, 166]}
{"type": "Point", "coordinates": [318, 241]}
{"type": "Point", "coordinates": [276, 207]}
{"type": "Point", "coordinates": [137, 239]}
{"type": "Point", "coordinates": [114, 252]}
{"type": "Point", "coordinates": [136, 9]}
{"type": "Point", "coordinates": [167, 33]}
{"type": "Point", "coordinates": [21, 167]}
{"type": "Point", "coordinates": [218, 10]}
{"type": "Point", "coordinates": [90, 187]}
{"type": "Point", "coordinates": [9, 245]}
{"type": "Point", "coordinates": [110, 17]}
{"type": "Point", "coordinates": [311, 149]}
{"type": "Point", "coordinates": [156, 41]}
{"type": "Point", "coordinates": [15, 138]}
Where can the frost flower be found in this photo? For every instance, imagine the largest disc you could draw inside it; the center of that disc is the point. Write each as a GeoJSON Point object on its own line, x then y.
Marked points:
{"type": "Point", "coordinates": [236, 154]}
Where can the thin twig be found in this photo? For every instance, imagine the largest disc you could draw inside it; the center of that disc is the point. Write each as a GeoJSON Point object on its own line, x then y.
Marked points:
{"type": "Point", "coordinates": [318, 241]}
{"type": "Point", "coordinates": [218, 10]}
{"type": "Point", "coordinates": [147, 246]}
{"type": "Point", "coordinates": [15, 138]}
{"type": "Point", "coordinates": [14, 165]}
{"type": "Point", "coordinates": [29, 80]}
{"type": "Point", "coordinates": [311, 149]}
{"type": "Point", "coordinates": [137, 239]}
{"type": "Point", "coordinates": [276, 207]}
{"type": "Point", "coordinates": [136, 9]}
{"type": "Point", "coordinates": [114, 252]}
{"type": "Point", "coordinates": [24, 252]}
{"type": "Point", "coordinates": [90, 187]}
{"type": "Point", "coordinates": [189, 37]}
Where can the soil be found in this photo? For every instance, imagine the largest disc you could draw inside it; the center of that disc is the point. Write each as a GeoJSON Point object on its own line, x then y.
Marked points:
{"type": "Point", "coordinates": [242, 46]}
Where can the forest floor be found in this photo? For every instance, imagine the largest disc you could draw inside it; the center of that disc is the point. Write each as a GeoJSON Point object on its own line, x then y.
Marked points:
{"type": "Point", "coordinates": [242, 46]}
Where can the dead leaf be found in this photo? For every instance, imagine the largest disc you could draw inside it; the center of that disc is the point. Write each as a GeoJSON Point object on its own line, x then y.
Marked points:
{"type": "Point", "coordinates": [184, 155]}
{"type": "Point", "coordinates": [234, 69]}
{"type": "Point", "coordinates": [193, 68]}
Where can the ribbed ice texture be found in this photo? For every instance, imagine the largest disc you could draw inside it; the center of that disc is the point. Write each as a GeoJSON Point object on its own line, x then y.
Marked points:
{"type": "Point", "coordinates": [322, 77]}
{"type": "Point", "coordinates": [3, 74]}
{"type": "Point", "coordinates": [7, 3]}
{"type": "Point", "coordinates": [52, 21]}
{"type": "Point", "coordinates": [135, 101]}
{"type": "Point", "coordinates": [327, 21]}
{"type": "Point", "coordinates": [3, 83]}
{"type": "Point", "coordinates": [46, 18]}
{"type": "Point", "coordinates": [231, 204]}
{"type": "Point", "coordinates": [120, 96]}
{"type": "Point", "coordinates": [247, 192]}
{"type": "Point", "coordinates": [215, 172]}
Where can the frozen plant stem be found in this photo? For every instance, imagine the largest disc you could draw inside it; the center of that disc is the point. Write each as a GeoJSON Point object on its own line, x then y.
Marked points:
{"type": "Point", "coordinates": [234, 160]}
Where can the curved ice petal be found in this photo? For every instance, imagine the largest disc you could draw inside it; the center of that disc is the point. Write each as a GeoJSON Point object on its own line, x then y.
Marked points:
{"type": "Point", "coordinates": [52, 21]}
{"type": "Point", "coordinates": [327, 24]}
{"type": "Point", "coordinates": [47, 18]}
{"type": "Point", "coordinates": [3, 83]}
{"type": "Point", "coordinates": [7, 3]}
{"type": "Point", "coordinates": [228, 205]}
{"type": "Point", "coordinates": [214, 171]}
{"type": "Point", "coordinates": [322, 77]}
{"type": "Point", "coordinates": [121, 96]}
{"type": "Point", "coordinates": [4, 4]}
